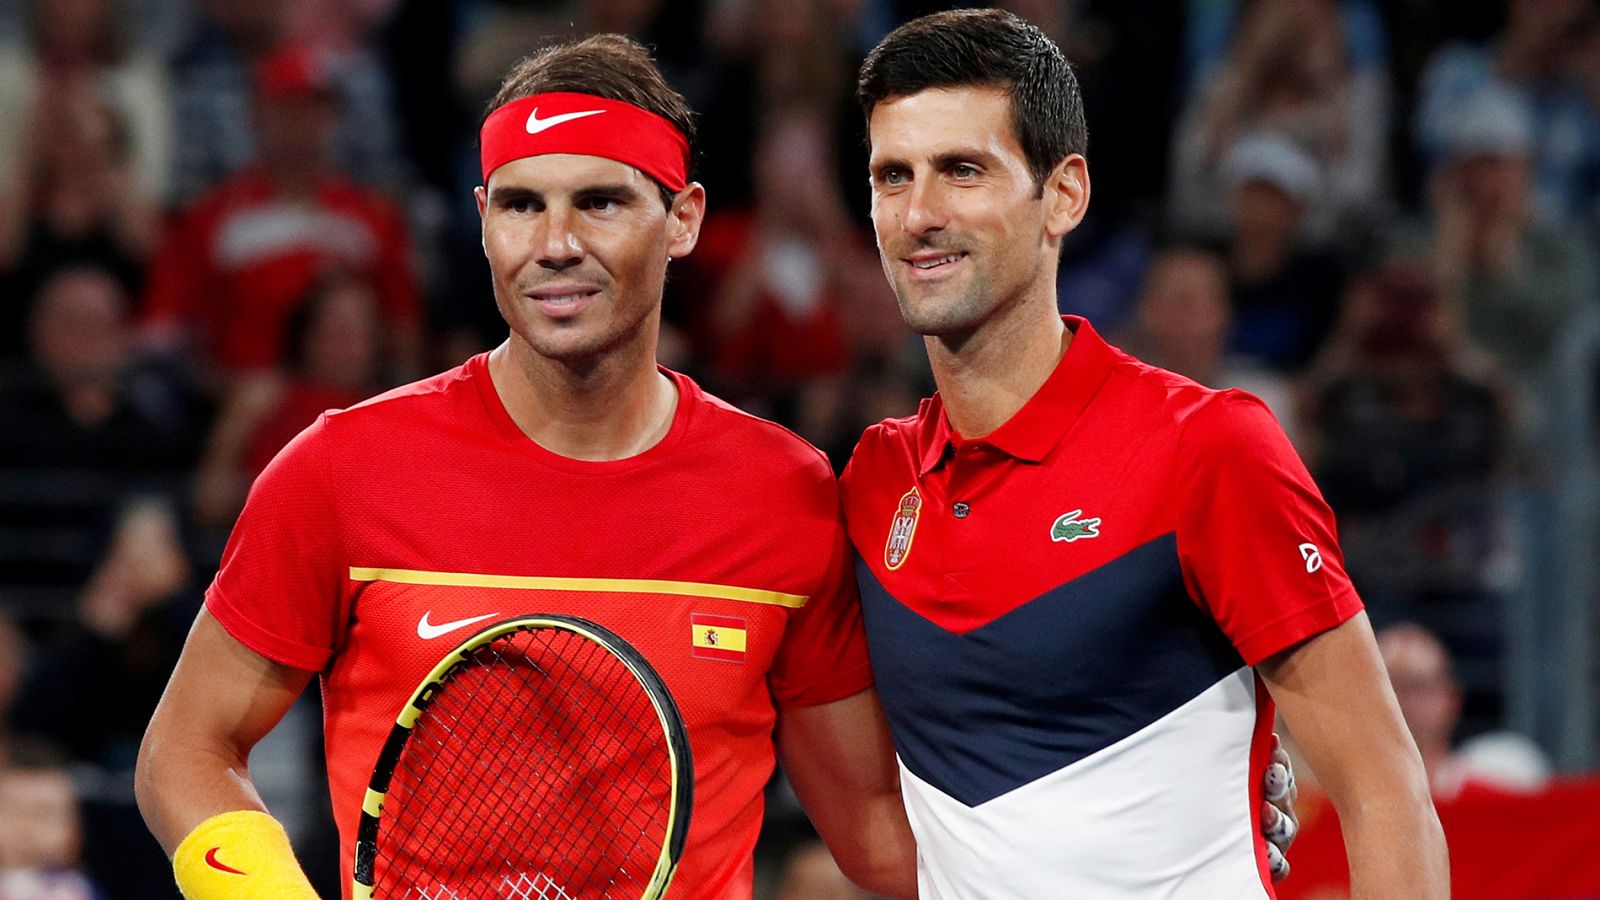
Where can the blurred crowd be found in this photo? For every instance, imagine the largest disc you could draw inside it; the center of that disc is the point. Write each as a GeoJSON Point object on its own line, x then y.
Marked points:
{"type": "Point", "coordinates": [221, 217]}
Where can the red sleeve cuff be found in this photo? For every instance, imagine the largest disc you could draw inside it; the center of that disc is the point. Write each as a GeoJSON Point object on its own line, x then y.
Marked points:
{"type": "Point", "coordinates": [838, 686]}
{"type": "Point", "coordinates": [1284, 633]}
{"type": "Point", "coordinates": [280, 650]}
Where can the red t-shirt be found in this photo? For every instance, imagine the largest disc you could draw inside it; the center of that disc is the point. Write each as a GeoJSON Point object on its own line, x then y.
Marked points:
{"type": "Point", "coordinates": [388, 515]}
{"type": "Point", "coordinates": [235, 266]}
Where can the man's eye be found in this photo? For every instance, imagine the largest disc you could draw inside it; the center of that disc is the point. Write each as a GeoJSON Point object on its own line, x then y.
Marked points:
{"type": "Point", "coordinates": [893, 176]}
{"type": "Point", "coordinates": [522, 205]}
{"type": "Point", "coordinates": [602, 204]}
{"type": "Point", "coordinates": [964, 171]}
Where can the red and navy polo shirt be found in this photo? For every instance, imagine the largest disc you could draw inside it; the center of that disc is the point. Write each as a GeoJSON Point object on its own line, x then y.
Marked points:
{"type": "Point", "coordinates": [1063, 617]}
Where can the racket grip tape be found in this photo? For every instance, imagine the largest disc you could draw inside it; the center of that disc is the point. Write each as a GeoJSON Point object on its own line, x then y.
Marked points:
{"type": "Point", "coordinates": [240, 855]}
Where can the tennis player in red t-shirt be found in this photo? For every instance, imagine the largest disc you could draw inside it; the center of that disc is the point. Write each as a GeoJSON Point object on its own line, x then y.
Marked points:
{"type": "Point", "coordinates": [563, 472]}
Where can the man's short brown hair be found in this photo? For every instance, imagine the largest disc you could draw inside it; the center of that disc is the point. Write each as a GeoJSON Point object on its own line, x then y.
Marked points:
{"type": "Point", "coordinates": [605, 65]}
{"type": "Point", "coordinates": [985, 48]}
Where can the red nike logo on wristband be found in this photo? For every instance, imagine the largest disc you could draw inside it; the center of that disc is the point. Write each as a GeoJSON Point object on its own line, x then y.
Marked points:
{"type": "Point", "coordinates": [211, 860]}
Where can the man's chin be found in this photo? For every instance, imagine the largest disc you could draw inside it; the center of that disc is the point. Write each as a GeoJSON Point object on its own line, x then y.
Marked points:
{"type": "Point", "coordinates": [936, 316]}
{"type": "Point", "coordinates": [568, 346]}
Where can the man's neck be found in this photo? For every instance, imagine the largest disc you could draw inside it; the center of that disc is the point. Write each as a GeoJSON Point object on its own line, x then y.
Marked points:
{"type": "Point", "coordinates": [986, 376]}
{"type": "Point", "coordinates": [611, 409]}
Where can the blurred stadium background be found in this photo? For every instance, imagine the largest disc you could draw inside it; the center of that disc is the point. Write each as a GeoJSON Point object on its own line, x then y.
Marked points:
{"type": "Point", "coordinates": [219, 217]}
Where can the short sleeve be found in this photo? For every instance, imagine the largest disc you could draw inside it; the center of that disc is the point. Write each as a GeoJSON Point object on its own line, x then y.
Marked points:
{"type": "Point", "coordinates": [1256, 540]}
{"type": "Point", "coordinates": [281, 590]}
{"type": "Point", "coordinates": [823, 656]}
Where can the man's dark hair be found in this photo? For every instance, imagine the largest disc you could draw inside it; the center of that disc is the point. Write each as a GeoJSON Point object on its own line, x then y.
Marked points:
{"type": "Point", "coordinates": [605, 65]}
{"type": "Point", "coordinates": [985, 48]}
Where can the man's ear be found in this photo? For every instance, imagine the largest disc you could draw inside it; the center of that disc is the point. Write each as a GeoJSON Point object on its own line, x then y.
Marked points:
{"type": "Point", "coordinates": [481, 194]}
{"type": "Point", "coordinates": [1066, 196]}
{"type": "Point", "coordinates": [687, 213]}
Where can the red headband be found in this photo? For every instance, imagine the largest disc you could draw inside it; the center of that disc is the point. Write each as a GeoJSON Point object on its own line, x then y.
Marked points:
{"type": "Point", "coordinates": [590, 125]}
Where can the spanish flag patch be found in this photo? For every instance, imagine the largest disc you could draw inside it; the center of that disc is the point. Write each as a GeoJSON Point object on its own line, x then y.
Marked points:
{"type": "Point", "coordinates": [718, 637]}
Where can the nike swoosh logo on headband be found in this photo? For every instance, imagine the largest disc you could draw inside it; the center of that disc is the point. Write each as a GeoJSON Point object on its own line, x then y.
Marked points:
{"type": "Point", "coordinates": [428, 631]}
{"type": "Point", "coordinates": [536, 124]}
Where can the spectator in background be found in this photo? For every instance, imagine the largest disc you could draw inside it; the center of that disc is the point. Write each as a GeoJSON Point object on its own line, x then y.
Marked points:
{"type": "Point", "coordinates": [1291, 72]}
{"type": "Point", "coordinates": [41, 834]}
{"type": "Point", "coordinates": [91, 690]}
{"type": "Point", "coordinates": [83, 427]}
{"type": "Point", "coordinates": [83, 402]}
{"type": "Point", "coordinates": [1399, 405]}
{"type": "Point", "coordinates": [809, 873]}
{"type": "Point", "coordinates": [1183, 322]}
{"type": "Point", "coordinates": [233, 268]}
{"type": "Point", "coordinates": [82, 47]}
{"type": "Point", "coordinates": [773, 55]}
{"type": "Point", "coordinates": [796, 288]}
{"type": "Point", "coordinates": [1546, 62]}
{"type": "Point", "coordinates": [1408, 431]}
{"type": "Point", "coordinates": [1430, 698]}
{"type": "Point", "coordinates": [1521, 278]}
{"type": "Point", "coordinates": [1183, 317]}
{"type": "Point", "coordinates": [1285, 294]}
{"type": "Point", "coordinates": [333, 358]}
{"type": "Point", "coordinates": [216, 75]}
{"type": "Point", "coordinates": [72, 198]}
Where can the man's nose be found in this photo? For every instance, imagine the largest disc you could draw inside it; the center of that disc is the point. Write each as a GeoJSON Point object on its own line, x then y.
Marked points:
{"type": "Point", "coordinates": [558, 243]}
{"type": "Point", "coordinates": [925, 211]}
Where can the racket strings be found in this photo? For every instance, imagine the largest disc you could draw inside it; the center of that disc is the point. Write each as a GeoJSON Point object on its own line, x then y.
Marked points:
{"type": "Point", "coordinates": [501, 785]}
{"type": "Point", "coordinates": [539, 770]}
{"type": "Point", "coordinates": [590, 786]}
{"type": "Point", "coordinates": [591, 790]}
{"type": "Point", "coordinates": [641, 817]}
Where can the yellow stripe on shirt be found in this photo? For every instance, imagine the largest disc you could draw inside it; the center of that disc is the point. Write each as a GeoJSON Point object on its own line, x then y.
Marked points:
{"type": "Point", "coordinates": [597, 585]}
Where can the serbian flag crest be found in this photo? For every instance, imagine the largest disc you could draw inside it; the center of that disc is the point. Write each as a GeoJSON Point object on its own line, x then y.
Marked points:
{"type": "Point", "coordinates": [718, 637]}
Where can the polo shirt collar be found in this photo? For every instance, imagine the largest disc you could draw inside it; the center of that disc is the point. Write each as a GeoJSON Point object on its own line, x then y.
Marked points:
{"type": "Point", "coordinates": [1034, 430]}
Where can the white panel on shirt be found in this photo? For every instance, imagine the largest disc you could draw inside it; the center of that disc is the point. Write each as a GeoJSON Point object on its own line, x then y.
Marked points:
{"type": "Point", "coordinates": [1163, 813]}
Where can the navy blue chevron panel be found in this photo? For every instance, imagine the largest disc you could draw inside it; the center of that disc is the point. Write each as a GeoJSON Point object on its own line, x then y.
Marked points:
{"type": "Point", "coordinates": [1066, 674]}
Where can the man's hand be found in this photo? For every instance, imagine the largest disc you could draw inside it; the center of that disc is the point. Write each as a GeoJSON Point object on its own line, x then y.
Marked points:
{"type": "Point", "coordinates": [1279, 824]}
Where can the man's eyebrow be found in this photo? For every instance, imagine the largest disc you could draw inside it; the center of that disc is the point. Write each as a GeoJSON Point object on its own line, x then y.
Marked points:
{"type": "Point", "coordinates": [500, 196]}
{"type": "Point", "coordinates": [960, 155]}
{"type": "Point", "coordinates": [513, 193]}
{"type": "Point", "coordinates": [618, 190]}
{"type": "Point", "coordinates": [941, 161]}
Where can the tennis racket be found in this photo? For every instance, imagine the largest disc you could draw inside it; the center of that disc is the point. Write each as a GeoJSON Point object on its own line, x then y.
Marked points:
{"type": "Point", "coordinates": [543, 758]}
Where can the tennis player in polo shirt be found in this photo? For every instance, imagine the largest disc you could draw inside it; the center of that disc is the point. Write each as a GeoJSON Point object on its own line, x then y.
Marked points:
{"type": "Point", "coordinates": [1087, 581]}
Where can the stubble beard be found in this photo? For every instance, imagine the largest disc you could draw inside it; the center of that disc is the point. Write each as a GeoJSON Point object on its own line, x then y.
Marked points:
{"type": "Point", "coordinates": [576, 344]}
{"type": "Point", "coordinates": [945, 312]}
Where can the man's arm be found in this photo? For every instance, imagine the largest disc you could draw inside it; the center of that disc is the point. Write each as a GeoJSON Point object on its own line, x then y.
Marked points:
{"type": "Point", "coordinates": [1335, 696]}
{"type": "Point", "coordinates": [840, 760]}
{"type": "Point", "coordinates": [194, 761]}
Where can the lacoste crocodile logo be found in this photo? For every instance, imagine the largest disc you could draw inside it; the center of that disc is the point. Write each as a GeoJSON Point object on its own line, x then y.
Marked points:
{"type": "Point", "coordinates": [1070, 528]}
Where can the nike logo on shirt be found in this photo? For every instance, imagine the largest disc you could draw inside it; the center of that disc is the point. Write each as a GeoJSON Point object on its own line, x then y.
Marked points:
{"type": "Point", "coordinates": [428, 631]}
{"type": "Point", "coordinates": [536, 124]}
